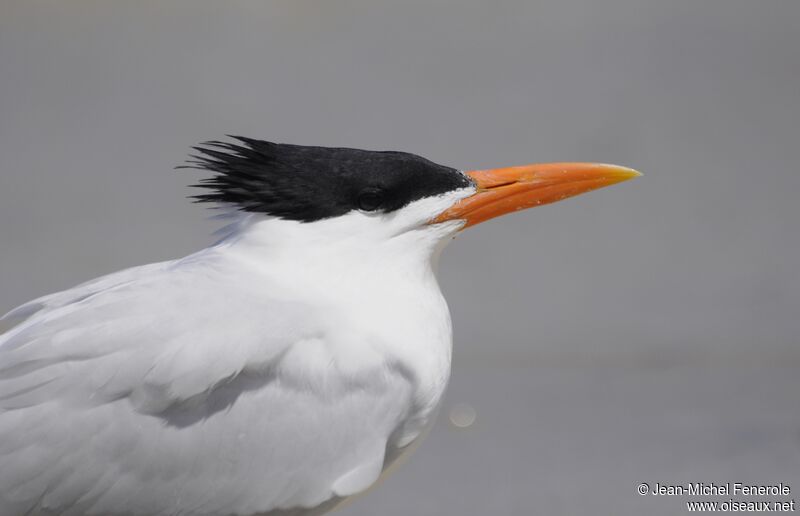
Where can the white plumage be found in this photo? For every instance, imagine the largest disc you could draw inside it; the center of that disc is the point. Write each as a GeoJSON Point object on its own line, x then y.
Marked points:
{"type": "Point", "coordinates": [278, 371]}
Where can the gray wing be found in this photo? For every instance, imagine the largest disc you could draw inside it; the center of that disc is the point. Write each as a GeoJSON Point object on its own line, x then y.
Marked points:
{"type": "Point", "coordinates": [180, 390]}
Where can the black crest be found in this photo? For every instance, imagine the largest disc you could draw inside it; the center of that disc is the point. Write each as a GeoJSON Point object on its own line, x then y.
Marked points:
{"type": "Point", "coordinates": [303, 183]}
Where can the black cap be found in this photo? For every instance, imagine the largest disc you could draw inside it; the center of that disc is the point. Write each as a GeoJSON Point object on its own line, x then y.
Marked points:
{"type": "Point", "coordinates": [304, 183]}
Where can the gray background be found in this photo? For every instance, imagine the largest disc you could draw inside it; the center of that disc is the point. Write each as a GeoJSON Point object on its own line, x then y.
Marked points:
{"type": "Point", "coordinates": [647, 332]}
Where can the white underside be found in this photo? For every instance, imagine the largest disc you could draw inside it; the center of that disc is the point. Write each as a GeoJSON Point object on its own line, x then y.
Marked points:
{"type": "Point", "coordinates": [277, 372]}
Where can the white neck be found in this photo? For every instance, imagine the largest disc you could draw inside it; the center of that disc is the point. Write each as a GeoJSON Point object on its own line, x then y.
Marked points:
{"type": "Point", "coordinates": [355, 247]}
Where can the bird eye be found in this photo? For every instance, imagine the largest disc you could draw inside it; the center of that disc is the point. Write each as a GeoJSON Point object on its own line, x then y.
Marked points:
{"type": "Point", "coordinates": [370, 199]}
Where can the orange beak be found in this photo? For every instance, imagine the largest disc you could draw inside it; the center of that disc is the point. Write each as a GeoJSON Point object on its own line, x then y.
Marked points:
{"type": "Point", "coordinates": [505, 190]}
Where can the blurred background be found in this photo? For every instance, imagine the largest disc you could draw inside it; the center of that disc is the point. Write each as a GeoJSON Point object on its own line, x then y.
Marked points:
{"type": "Point", "coordinates": [644, 333]}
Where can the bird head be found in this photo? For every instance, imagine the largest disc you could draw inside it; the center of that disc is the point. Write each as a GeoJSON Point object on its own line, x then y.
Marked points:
{"type": "Point", "coordinates": [346, 195]}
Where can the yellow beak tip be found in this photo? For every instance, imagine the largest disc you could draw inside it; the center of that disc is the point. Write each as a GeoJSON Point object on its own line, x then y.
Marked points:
{"type": "Point", "coordinates": [624, 173]}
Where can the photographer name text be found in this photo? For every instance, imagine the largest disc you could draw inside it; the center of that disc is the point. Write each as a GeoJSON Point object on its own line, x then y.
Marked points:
{"type": "Point", "coordinates": [721, 489]}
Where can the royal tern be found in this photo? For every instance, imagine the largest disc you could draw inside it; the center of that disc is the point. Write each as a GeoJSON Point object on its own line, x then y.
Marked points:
{"type": "Point", "coordinates": [279, 371]}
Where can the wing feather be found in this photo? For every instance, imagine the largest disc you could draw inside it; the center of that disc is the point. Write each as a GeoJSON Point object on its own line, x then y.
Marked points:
{"type": "Point", "coordinates": [115, 398]}
{"type": "Point", "coordinates": [75, 294]}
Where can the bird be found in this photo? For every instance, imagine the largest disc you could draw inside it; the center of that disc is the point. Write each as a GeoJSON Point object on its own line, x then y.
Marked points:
{"type": "Point", "coordinates": [280, 371]}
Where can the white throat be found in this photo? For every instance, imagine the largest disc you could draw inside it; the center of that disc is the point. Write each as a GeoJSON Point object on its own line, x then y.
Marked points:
{"type": "Point", "coordinates": [356, 246]}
